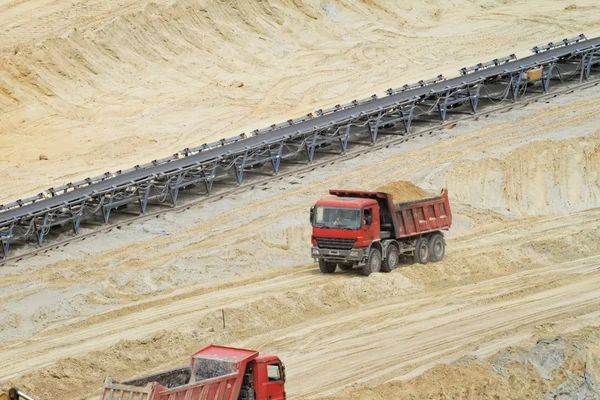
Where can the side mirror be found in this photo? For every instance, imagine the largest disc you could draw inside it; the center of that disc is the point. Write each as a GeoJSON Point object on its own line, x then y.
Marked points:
{"type": "Point", "coordinates": [283, 371]}
{"type": "Point", "coordinates": [368, 220]}
{"type": "Point", "coordinates": [312, 214]}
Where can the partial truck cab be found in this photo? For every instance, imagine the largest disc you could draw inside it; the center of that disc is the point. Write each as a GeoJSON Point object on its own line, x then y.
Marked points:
{"type": "Point", "coordinates": [352, 228]}
{"type": "Point", "coordinates": [215, 372]}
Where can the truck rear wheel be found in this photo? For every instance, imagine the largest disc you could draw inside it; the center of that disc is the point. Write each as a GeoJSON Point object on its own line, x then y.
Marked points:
{"type": "Point", "coordinates": [346, 266]}
{"type": "Point", "coordinates": [391, 260]}
{"type": "Point", "coordinates": [422, 251]}
{"type": "Point", "coordinates": [438, 247]}
{"type": "Point", "coordinates": [327, 267]}
{"type": "Point", "coordinates": [373, 263]}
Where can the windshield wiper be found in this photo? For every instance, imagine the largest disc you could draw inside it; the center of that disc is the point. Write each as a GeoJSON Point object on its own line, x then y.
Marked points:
{"type": "Point", "coordinates": [322, 226]}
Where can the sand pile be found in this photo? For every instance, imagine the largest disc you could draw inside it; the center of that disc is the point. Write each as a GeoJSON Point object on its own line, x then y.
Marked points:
{"type": "Point", "coordinates": [404, 191]}
{"type": "Point", "coordinates": [554, 368]}
{"type": "Point", "coordinates": [542, 177]}
{"type": "Point", "coordinates": [105, 85]}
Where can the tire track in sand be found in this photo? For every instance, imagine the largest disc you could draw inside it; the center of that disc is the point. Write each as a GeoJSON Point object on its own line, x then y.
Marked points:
{"type": "Point", "coordinates": [399, 338]}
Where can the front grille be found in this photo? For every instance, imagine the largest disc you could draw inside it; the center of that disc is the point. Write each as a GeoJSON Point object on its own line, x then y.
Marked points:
{"type": "Point", "coordinates": [334, 243]}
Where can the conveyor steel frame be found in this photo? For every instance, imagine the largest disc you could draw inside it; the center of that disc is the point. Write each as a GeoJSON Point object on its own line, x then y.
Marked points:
{"type": "Point", "coordinates": [161, 181]}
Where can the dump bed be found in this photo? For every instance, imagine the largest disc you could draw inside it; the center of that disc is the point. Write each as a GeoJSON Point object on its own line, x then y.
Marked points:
{"type": "Point", "coordinates": [409, 218]}
{"type": "Point", "coordinates": [215, 373]}
{"type": "Point", "coordinates": [421, 216]}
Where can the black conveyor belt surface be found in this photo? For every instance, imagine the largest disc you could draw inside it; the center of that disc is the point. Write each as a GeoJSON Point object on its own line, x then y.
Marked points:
{"type": "Point", "coordinates": [235, 147]}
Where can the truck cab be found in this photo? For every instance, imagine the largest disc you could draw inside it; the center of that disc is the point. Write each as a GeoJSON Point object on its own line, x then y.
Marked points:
{"type": "Point", "coordinates": [268, 374]}
{"type": "Point", "coordinates": [343, 230]}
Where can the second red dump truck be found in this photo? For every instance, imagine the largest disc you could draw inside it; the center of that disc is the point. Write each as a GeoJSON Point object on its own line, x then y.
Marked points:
{"type": "Point", "coordinates": [215, 373]}
{"type": "Point", "coordinates": [353, 228]}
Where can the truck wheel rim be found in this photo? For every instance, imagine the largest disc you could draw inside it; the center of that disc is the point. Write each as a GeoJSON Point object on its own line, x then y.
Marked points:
{"type": "Point", "coordinates": [392, 259]}
{"type": "Point", "coordinates": [424, 252]}
{"type": "Point", "coordinates": [374, 263]}
{"type": "Point", "coordinates": [438, 248]}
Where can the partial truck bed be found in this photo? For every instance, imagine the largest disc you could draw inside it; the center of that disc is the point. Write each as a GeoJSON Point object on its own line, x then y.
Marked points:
{"type": "Point", "coordinates": [215, 373]}
{"type": "Point", "coordinates": [421, 216]}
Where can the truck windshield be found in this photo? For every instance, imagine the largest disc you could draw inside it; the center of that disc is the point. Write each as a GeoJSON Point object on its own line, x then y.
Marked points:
{"type": "Point", "coordinates": [337, 217]}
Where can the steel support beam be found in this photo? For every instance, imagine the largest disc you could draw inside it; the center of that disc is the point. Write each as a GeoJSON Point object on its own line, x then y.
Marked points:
{"type": "Point", "coordinates": [143, 193]}
{"type": "Point", "coordinates": [5, 238]}
{"type": "Point", "coordinates": [239, 169]}
{"type": "Point", "coordinates": [275, 156]}
{"type": "Point", "coordinates": [173, 189]}
{"type": "Point", "coordinates": [443, 105]}
{"type": "Point", "coordinates": [76, 217]}
{"type": "Point", "coordinates": [374, 128]}
{"type": "Point", "coordinates": [106, 208]}
{"type": "Point", "coordinates": [546, 76]}
{"type": "Point", "coordinates": [344, 139]}
{"type": "Point", "coordinates": [474, 97]}
{"type": "Point", "coordinates": [407, 116]}
{"type": "Point", "coordinates": [41, 231]}
{"type": "Point", "coordinates": [516, 84]}
{"type": "Point", "coordinates": [592, 57]}
{"type": "Point", "coordinates": [310, 144]}
{"type": "Point", "coordinates": [208, 180]}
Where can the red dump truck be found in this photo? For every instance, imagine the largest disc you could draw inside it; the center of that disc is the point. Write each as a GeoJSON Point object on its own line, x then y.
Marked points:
{"type": "Point", "coordinates": [353, 228]}
{"type": "Point", "coordinates": [215, 373]}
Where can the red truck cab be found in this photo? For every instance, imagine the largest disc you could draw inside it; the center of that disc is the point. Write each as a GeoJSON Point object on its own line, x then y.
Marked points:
{"type": "Point", "coordinates": [344, 227]}
{"type": "Point", "coordinates": [353, 228]}
{"type": "Point", "coordinates": [269, 378]}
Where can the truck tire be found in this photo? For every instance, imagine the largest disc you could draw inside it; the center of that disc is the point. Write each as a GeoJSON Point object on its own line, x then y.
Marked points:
{"type": "Point", "coordinates": [422, 251]}
{"type": "Point", "coordinates": [346, 266]}
{"type": "Point", "coordinates": [391, 260]}
{"type": "Point", "coordinates": [373, 263]}
{"type": "Point", "coordinates": [437, 247]}
{"type": "Point", "coordinates": [327, 267]}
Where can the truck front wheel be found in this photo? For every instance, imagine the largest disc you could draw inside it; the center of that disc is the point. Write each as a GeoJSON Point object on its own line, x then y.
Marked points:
{"type": "Point", "coordinates": [422, 251]}
{"type": "Point", "coordinates": [327, 267]}
{"type": "Point", "coordinates": [438, 247]}
{"type": "Point", "coordinates": [373, 263]}
{"type": "Point", "coordinates": [391, 260]}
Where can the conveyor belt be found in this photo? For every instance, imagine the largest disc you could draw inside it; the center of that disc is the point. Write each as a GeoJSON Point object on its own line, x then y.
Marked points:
{"type": "Point", "coordinates": [321, 121]}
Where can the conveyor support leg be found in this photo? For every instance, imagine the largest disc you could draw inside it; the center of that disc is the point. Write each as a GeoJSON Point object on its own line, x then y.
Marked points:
{"type": "Point", "coordinates": [276, 157]}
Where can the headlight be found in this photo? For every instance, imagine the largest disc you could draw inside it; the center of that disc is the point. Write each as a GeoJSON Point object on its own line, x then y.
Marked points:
{"type": "Point", "coordinates": [354, 253]}
{"type": "Point", "coordinates": [315, 252]}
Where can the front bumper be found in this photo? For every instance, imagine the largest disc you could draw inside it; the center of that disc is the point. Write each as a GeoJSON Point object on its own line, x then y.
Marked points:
{"type": "Point", "coordinates": [357, 254]}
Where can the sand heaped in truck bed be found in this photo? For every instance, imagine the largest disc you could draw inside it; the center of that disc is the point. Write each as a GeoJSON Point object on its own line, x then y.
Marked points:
{"type": "Point", "coordinates": [405, 191]}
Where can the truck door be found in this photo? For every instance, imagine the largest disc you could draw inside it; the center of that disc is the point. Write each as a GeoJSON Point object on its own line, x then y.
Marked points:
{"type": "Point", "coordinates": [370, 224]}
{"type": "Point", "coordinates": [276, 380]}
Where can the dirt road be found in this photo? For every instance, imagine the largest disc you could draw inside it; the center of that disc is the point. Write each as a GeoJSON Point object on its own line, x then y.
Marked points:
{"type": "Point", "coordinates": [402, 336]}
{"type": "Point", "coordinates": [341, 330]}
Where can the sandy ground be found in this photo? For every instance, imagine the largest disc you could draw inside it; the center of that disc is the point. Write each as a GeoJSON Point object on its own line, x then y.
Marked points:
{"type": "Point", "coordinates": [99, 85]}
{"type": "Point", "coordinates": [555, 367]}
{"type": "Point", "coordinates": [522, 264]}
